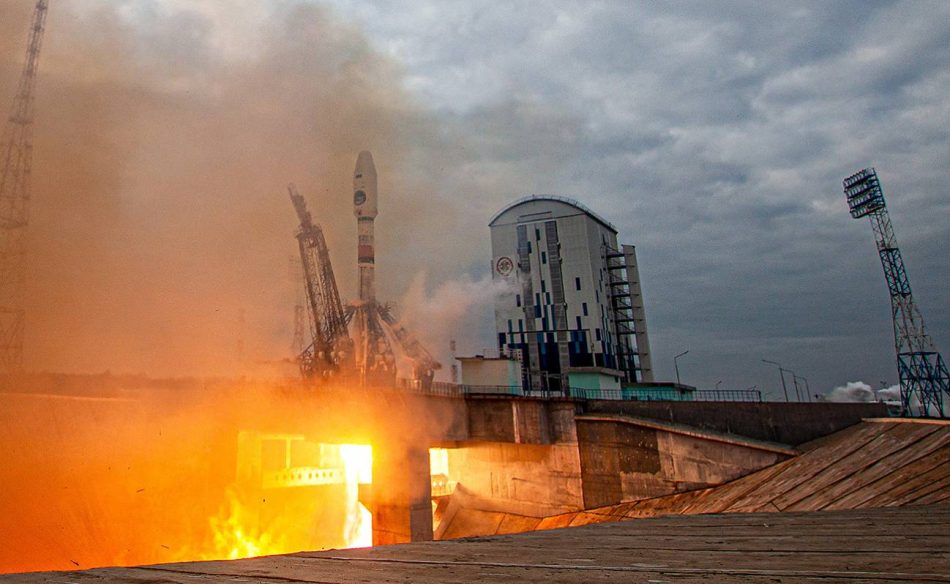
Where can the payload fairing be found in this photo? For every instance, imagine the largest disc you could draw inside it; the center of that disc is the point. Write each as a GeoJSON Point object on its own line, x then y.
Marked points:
{"type": "Point", "coordinates": [365, 199]}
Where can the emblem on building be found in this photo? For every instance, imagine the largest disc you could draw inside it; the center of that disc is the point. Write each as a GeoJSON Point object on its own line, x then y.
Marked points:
{"type": "Point", "coordinates": [504, 265]}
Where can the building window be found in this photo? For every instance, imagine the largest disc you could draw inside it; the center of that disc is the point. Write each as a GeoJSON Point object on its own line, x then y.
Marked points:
{"type": "Point", "coordinates": [520, 326]}
{"type": "Point", "coordinates": [584, 308]}
{"type": "Point", "coordinates": [509, 326]}
{"type": "Point", "coordinates": [517, 299]}
{"type": "Point", "coordinates": [537, 234]}
{"type": "Point", "coordinates": [597, 334]}
{"type": "Point", "coordinates": [597, 295]}
{"type": "Point", "coordinates": [537, 298]}
{"type": "Point", "coordinates": [547, 297]}
{"type": "Point", "coordinates": [537, 311]}
{"type": "Point", "coordinates": [544, 257]}
{"type": "Point", "coordinates": [579, 325]}
{"type": "Point", "coordinates": [577, 283]}
{"type": "Point", "coordinates": [544, 286]}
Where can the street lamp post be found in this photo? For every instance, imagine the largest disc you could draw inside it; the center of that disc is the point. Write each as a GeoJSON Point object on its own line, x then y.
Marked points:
{"type": "Point", "coordinates": [677, 367]}
{"type": "Point", "coordinates": [807, 389]}
{"type": "Point", "coordinates": [781, 372]}
{"type": "Point", "coordinates": [795, 378]}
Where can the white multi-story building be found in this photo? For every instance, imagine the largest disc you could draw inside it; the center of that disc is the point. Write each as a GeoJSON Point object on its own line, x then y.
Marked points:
{"type": "Point", "coordinates": [573, 305]}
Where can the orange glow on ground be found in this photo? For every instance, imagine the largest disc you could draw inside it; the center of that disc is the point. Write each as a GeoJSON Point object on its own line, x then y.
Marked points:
{"type": "Point", "coordinates": [149, 476]}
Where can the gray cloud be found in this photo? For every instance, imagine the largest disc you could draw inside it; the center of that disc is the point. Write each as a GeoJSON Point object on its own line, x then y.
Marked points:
{"type": "Point", "coordinates": [714, 135]}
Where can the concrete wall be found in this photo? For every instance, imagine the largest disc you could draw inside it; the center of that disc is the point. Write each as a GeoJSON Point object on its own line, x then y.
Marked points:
{"type": "Point", "coordinates": [622, 461]}
{"type": "Point", "coordinates": [788, 423]}
{"type": "Point", "coordinates": [521, 421]}
{"type": "Point", "coordinates": [527, 479]}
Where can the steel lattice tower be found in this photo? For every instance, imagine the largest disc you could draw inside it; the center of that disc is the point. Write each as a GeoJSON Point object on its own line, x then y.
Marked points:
{"type": "Point", "coordinates": [16, 158]}
{"type": "Point", "coordinates": [922, 371]}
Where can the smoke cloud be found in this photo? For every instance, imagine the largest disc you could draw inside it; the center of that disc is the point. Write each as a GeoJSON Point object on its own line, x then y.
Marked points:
{"type": "Point", "coordinates": [858, 391]}
{"type": "Point", "coordinates": [458, 309]}
{"type": "Point", "coordinates": [162, 153]}
{"type": "Point", "coordinates": [853, 391]}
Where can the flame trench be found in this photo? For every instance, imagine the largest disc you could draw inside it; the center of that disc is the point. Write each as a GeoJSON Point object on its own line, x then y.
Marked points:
{"type": "Point", "coordinates": [149, 476]}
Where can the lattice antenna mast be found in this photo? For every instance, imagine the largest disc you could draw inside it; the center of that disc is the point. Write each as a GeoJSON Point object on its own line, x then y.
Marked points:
{"type": "Point", "coordinates": [16, 158]}
{"type": "Point", "coordinates": [922, 371]}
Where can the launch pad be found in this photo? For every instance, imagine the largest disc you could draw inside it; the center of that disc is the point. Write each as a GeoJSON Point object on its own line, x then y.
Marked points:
{"type": "Point", "coordinates": [364, 356]}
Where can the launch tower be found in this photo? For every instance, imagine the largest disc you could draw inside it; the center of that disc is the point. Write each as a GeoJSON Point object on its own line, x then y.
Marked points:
{"type": "Point", "coordinates": [367, 356]}
{"type": "Point", "coordinates": [922, 371]}
{"type": "Point", "coordinates": [16, 158]}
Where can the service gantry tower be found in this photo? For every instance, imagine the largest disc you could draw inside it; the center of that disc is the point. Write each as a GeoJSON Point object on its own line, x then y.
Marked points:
{"type": "Point", "coordinates": [16, 158]}
{"type": "Point", "coordinates": [922, 371]}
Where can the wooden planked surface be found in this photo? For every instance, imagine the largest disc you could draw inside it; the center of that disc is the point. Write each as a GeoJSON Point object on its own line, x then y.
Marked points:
{"type": "Point", "coordinates": [908, 544]}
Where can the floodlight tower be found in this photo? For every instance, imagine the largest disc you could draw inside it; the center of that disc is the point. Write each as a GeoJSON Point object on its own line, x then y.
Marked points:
{"type": "Point", "coordinates": [923, 373]}
{"type": "Point", "coordinates": [16, 159]}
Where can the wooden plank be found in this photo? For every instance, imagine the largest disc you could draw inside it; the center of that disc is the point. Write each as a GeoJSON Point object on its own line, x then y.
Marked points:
{"type": "Point", "coordinates": [843, 467]}
{"type": "Point", "coordinates": [800, 470]}
{"type": "Point", "coordinates": [862, 481]}
{"type": "Point", "coordinates": [924, 470]}
{"type": "Point", "coordinates": [936, 479]}
{"type": "Point", "coordinates": [889, 545]}
{"type": "Point", "coordinates": [941, 496]}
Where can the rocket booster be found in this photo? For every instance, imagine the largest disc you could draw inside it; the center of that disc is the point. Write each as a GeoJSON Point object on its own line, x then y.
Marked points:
{"type": "Point", "coordinates": [365, 196]}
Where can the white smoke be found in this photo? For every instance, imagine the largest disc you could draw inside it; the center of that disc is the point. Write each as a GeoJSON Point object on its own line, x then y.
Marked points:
{"type": "Point", "coordinates": [853, 391]}
{"type": "Point", "coordinates": [890, 394]}
{"type": "Point", "coordinates": [858, 391]}
{"type": "Point", "coordinates": [459, 309]}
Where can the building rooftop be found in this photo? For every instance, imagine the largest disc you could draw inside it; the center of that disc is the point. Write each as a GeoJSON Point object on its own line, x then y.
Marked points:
{"type": "Point", "coordinates": [556, 198]}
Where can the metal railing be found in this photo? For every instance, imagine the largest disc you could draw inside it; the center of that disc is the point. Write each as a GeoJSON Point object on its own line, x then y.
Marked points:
{"type": "Point", "coordinates": [723, 395]}
{"type": "Point", "coordinates": [445, 389]}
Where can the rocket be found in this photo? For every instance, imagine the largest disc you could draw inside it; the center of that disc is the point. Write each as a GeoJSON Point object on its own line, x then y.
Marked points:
{"type": "Point", "coordinates": [365, 197]}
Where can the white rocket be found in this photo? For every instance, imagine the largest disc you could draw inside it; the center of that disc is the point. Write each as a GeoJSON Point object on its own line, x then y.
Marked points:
{"type": "Point", "coordinates": [365, 197]}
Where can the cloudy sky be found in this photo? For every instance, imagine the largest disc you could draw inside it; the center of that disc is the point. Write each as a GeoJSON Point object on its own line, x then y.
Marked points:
{"type": "Point", "coordinates": [714, 135]}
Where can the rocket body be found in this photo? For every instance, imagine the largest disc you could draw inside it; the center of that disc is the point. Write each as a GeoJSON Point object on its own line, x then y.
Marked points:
{"type": "Point", "coordinates": [365, 196]}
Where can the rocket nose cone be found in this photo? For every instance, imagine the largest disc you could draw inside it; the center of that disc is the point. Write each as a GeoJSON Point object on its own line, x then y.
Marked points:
{"type": "Point", "coordinates": [364, 164]}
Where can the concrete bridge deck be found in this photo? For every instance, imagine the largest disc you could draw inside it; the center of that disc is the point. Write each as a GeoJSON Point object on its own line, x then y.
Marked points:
{"type": "Point", "coordinates": [906, 544]}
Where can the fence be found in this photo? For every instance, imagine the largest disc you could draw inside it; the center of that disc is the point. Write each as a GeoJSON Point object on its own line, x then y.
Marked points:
{"type": "Point", "coordinates": [579, 393]}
